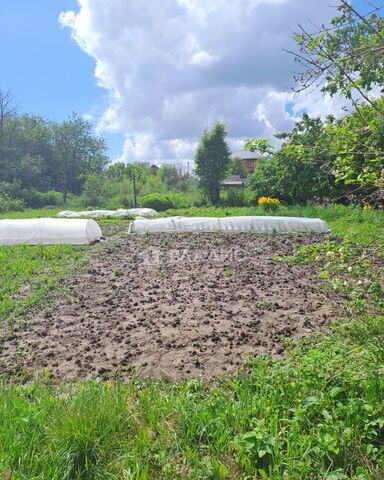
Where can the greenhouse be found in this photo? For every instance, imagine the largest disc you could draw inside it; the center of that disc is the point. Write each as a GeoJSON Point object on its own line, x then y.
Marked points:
{"type": "Point", "coordinates": [49, 231]}
{"type": "Point", "coordinates": [230, 224]}
{"type": "Point", "coordinates": [144, 212]}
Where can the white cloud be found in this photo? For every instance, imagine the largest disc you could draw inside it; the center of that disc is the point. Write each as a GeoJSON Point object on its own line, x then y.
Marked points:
{"type": "Point", "coordinates": [173, 67]}
{"type": "Point", "coordinates": [201, 58]}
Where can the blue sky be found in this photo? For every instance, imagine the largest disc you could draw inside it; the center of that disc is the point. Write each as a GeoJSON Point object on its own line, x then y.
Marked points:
{"type": "Point", "coordinates": [42, 65]}
{"type": "Point", "coordinates": [166, 73]}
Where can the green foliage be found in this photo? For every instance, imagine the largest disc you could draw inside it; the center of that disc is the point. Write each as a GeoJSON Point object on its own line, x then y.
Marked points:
{"type": "Point", "coordinates": [346, 57]}
{"type": "Point", "coordinates": [38, 156]}
{"type": "Point", "coordinates": [354, 270]}
{"type": "Point", "coordinates": [261, 145]}
{"type": "Point", "coordinates": [233, 197]}
{"type": "Point", "coordinates": [236, 167]}
{"type": "Point", "coordinates": [173, 177]}
{"type": "Point", "coordinates": [77, 152]}
{"type": "Point", "coordinates": [212, 160]}
{"type": "Point", "coordinates": [157, 202]}
{"type": "Point", "coordinates": [358, 142]}
{"type": "Point", "coordinates": [94, 192]}
{"type": "Point", "coordinates": [302, 169]}
{"type": "Point", "coordinates": [8, 204]}
{"type": "Point", "coordinates": [28, 273]}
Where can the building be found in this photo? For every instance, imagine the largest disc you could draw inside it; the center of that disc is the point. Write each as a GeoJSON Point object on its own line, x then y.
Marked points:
{"type": "Point", "coordinates": [154, 168]}
{"type": "Point", "coordinates": [249, 159]}
{"type": "Point", "coordinates": [233, 181]}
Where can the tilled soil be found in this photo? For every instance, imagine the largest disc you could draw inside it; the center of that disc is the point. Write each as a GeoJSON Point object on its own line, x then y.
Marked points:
{"type": "Point", "coordinates": [174, 304]}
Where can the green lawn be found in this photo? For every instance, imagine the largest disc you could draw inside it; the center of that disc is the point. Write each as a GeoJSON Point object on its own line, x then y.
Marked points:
{"type": "Point", "coordinates": [319, 414]}
{"type": "Point", "coordinates": [31, 213]}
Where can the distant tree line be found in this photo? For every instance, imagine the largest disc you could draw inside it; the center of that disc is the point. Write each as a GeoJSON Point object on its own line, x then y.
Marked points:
{"type": "Point", "coordinates": [45, 163]}
{"type": "Point", "coordinates": [40, 158]}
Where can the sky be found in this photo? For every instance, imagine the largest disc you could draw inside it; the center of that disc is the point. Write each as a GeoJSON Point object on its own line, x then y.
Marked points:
{"type": "Point", "coordinates": [151, 75]}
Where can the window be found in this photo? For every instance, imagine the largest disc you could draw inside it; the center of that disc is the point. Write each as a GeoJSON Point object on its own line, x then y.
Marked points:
{"type": "Point", "coordinates": [251, 164]}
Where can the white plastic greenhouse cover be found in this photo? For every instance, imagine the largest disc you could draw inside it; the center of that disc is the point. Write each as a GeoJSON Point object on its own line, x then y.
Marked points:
{"type": "Point", "coordinates": [144, 212]}
{"type": "Point", "coordinates": [49, 231]}
{"type": "Point", "coordinates": [230, 224]}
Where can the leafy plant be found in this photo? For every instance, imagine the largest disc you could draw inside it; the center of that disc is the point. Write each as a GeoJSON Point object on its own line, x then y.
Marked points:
{"type": "Point", "coordinates": [157, 202]}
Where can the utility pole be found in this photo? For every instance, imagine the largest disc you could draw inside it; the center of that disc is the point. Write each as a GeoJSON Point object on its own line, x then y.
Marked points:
{"type": "Point", "coordinates": [134, 190]}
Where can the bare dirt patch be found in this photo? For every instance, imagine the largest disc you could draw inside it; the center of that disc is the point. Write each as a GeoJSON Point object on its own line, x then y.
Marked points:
{"type": "Point", "coordinates": [180, 305]}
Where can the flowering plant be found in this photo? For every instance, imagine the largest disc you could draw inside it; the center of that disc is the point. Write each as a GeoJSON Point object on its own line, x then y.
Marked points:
{"type": "Point", "coordinates": [269, 203]}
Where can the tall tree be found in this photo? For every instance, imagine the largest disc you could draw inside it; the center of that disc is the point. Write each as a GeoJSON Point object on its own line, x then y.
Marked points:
{"type": "Point", "coordinates": [212, 161]}
{"type": "Point", "coordinates": [78, 153]}
{"type": "Point", "coordinates": [7, 109]}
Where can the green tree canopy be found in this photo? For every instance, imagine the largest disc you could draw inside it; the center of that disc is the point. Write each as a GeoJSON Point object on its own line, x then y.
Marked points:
{"type": "Point", "coordinates": [358, 145]}
{"type": "Point", "coordinates": [212, 161]}
{"type": "Point", "coordinates": [302, 169]}
{"type": "Point", "coordinates": [78, 153]}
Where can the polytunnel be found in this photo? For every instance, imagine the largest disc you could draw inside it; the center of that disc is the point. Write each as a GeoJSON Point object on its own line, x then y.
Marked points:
{"type": "Point", "coordinates": [144, 212]}
{"type": "Point", "coordinates": [49, 231]}
{"type": "Point", "coordinates": [262, 224]}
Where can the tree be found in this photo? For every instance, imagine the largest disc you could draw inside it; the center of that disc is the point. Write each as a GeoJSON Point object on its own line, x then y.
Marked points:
{"type": "Point", "coordinates": [212, 161]}
{"type": "Point", "coordinates": [78, 153]}
{"type": "Point", "coordinates": [345, 58]}
{"type": "Point", "coordinates": [303, 168]}
{"type": "Point", "coordinates": [136, 172]}
{"type": "Point", "coordinates": [169, 175]}
{"type": "Point", "coordinates": [7, 110]}
{"type": "Point", "coordinates": [236, 167]}
{"type": "Point", "coordinates": [359, 152]}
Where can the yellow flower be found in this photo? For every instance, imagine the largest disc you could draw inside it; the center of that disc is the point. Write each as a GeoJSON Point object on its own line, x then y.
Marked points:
{"type": "Point", "coordinates": [268, 201]}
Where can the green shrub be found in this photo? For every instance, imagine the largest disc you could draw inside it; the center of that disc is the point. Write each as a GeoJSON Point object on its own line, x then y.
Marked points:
{"type": "Point", "coordinates": [35, 199]}
{"type": "Point", "coordinates": [233, 198]}
{"type": "Point", "coordinates": [8, 204]}
{"type": "Point", "coordinates": [157, 202]}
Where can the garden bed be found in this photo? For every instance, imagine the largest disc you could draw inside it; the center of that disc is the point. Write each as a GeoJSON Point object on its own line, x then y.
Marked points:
{"type": "Point", "coordinates": [179, 305]}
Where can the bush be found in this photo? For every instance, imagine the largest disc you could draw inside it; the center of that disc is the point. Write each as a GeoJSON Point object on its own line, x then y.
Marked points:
{"type": "Point", "coordinates": [35, 199]}
{"type": "Point", "coordinates": [8, 204]}
{"type": "Point", "coordinates": [233, 198]}
{"type": "Point", "coordinates": [157, 202]}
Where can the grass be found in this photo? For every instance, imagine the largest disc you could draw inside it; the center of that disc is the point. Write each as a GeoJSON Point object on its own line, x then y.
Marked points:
{"type": "Point", "coordinates": [31, 213]}
{"type": "Point", "coordinates": [317, 415]}
{"type": "Point", "coordinates": [29, 273]}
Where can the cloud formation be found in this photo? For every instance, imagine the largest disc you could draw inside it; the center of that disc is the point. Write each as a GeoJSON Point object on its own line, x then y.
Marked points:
{"type": "Point", "coordinates": [173, 67]}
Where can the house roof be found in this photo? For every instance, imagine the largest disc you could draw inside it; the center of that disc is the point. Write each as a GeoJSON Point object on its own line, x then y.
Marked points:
{"type": "Point", "coordinates": [246, 155]}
